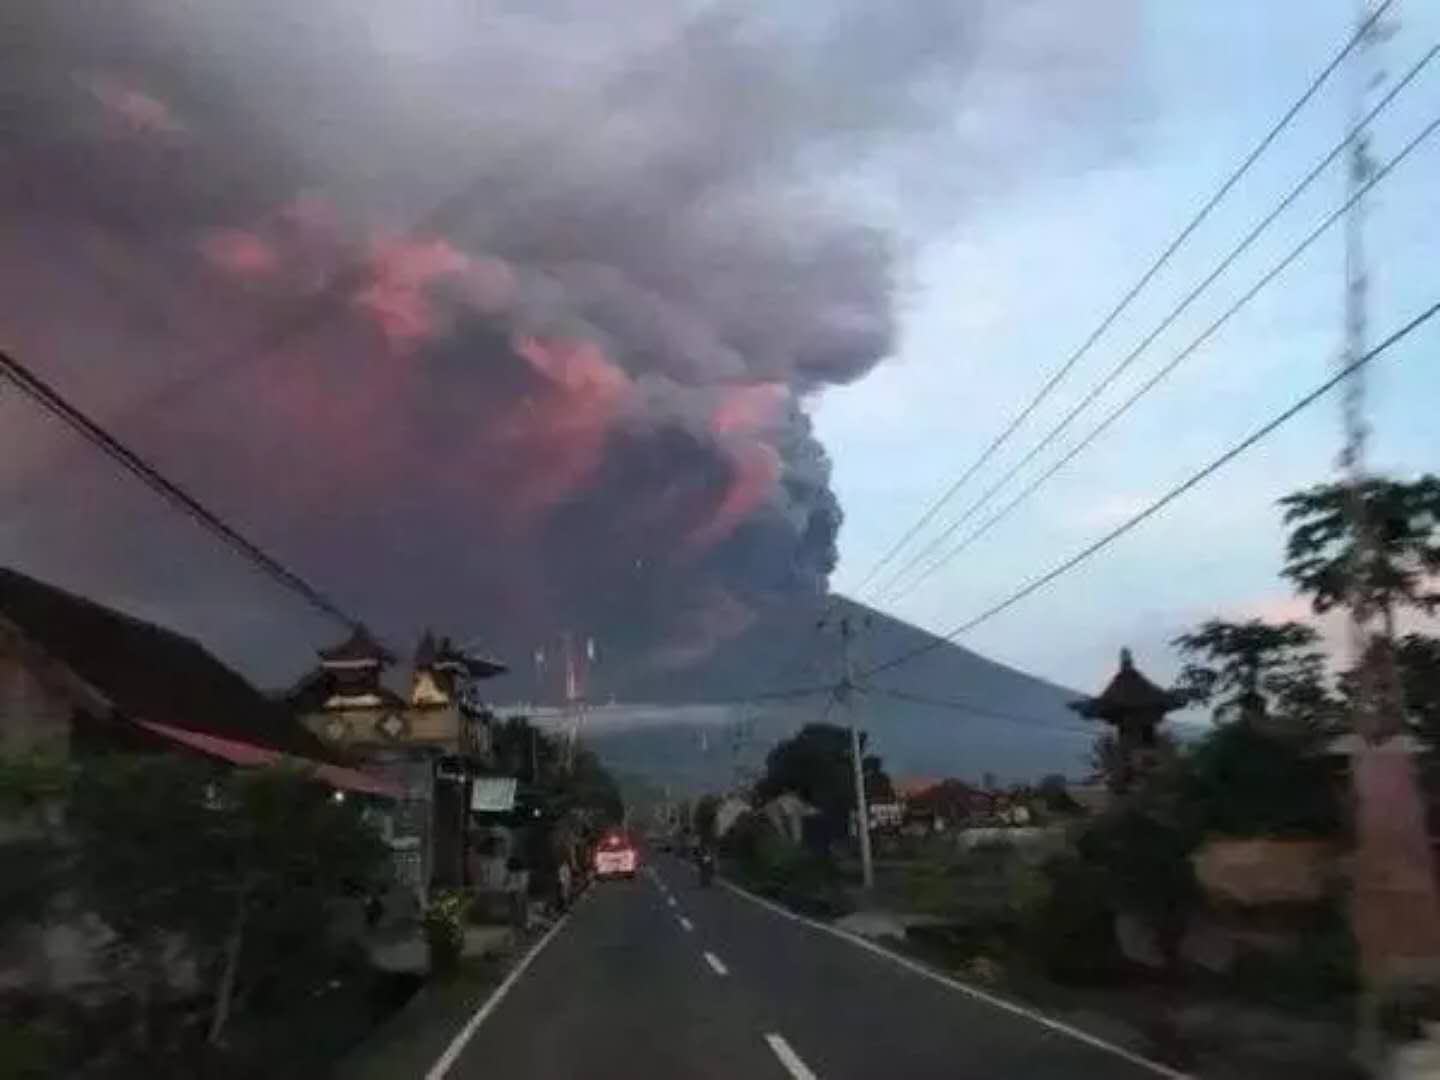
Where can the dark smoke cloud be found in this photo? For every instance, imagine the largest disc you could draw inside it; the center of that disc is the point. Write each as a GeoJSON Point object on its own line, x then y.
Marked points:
{"type": "Point", "coordinates": [580, 266]}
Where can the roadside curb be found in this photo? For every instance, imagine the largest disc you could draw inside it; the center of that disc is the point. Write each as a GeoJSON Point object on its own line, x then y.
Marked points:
{"type": "Point", "coordinates": [917, 968]}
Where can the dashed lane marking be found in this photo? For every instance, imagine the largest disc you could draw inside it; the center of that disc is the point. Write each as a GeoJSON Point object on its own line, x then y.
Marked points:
{"type": "Point", "coordinates": [715, 964]}
{"type": "Point", "coordinates": [686, 924]}
{"type": "Point", "coordinates": [789, 1058]}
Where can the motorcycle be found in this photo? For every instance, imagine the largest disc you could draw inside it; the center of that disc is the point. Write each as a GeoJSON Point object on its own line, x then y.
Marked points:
{"type": "Point", "coordinates": [705, 861]}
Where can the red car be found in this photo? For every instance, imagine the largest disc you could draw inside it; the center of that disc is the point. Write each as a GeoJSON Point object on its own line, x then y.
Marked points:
{"type": "Point", "coordinates": [616, 857]}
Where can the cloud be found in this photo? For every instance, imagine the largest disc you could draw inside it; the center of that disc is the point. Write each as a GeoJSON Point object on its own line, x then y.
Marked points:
{"type": "Point", "coordinates": [513, 311]}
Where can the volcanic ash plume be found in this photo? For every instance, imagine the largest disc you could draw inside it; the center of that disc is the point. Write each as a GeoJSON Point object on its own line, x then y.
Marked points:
{"type": "Point", "coordinates": [553, 281]}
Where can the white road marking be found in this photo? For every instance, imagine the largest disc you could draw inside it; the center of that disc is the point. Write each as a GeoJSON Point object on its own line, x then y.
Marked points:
{"type": "Point", "coordinates": [686, 923]}
{"type": "Point", "coordinates": [457, 1044]}
{"type": "Point", "coordinates": [789, 1058]}
{"type": "Point", "coordinates": [954, 984]}
{"type": "Point", "coordinates": [715, 964]}
{"type": "Point", "coordinates": [670, 900]}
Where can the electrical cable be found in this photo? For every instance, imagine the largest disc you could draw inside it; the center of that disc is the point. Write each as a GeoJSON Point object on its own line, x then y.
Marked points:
{"type": "Point", "coordinates": [1165, 500]}
{"type": "Point", "coordinates": [1155, 379]}
{"type": "Point", "coordinates": [888, 591]}
{"type": "Point", "coordinates": [1155, 267]}
{"type": "Point", "coordinates": [977, 710]}
{"type": "Point", "coordinates": [88, 429]}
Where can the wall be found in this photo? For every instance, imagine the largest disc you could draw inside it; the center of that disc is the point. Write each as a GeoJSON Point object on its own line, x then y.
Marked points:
{"type": "Point", "coordinates": [33, 714]}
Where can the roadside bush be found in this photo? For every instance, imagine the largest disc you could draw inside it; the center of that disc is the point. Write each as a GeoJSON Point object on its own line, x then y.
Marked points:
{"type": "Point", "coordinates": [1068, 927]}
{"type": "Point", "coordinates": [743, 840]}
{"type": "Point", "coordinates": [445, 930]}
{"type": "Point", "coordinates": [798, 878]}
{"type": "Point", "coordinates": [1321, 968]}
{"type": "Point", "coordinates": [1243, 782]}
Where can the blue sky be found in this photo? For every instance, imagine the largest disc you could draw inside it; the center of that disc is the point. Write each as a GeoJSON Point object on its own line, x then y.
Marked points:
{"type": "Point", "coordinates": [1004, 295]}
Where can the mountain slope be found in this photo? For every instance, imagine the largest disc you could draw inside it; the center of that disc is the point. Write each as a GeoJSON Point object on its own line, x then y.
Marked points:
{"type": "Point", "coordinates": [1015, 725]}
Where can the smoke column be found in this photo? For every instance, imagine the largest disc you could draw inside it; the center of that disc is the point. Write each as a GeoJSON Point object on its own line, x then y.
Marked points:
{"type": "Point", "coordinates": [536, 294]}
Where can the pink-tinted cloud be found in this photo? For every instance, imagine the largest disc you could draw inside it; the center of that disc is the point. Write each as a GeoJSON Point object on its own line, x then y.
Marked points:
{"type": "Point", "coordinates": [744, 410]}
{"type": "Point", "coordinates": [557, 440]}
{"type": "Point", "coordinates": [1333, 626]}
{"type": "Point", "coordinates": [396, 297]}
{"type": "Point", "coordinates": [755, 478]}
{"type": "Point", "coordinates": [239, 252]}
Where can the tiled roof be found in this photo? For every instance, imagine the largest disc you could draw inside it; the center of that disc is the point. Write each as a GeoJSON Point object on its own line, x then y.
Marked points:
{"type": "Point", "coordinates": [147, 672]}
{"type": "Point", "coordinates": [249, 755]}
{"type": "Point", "coordinates": [358, 646]}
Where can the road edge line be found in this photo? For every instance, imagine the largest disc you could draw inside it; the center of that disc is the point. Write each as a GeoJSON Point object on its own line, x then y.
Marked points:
{"type": "Point", "coordinates": [917, 968]}
{"type": "Point", "coordinates": [446, 1060]}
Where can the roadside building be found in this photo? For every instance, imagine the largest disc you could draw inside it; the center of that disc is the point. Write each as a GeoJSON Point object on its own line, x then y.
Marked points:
{"type": "Point", "coordinates": [77, 677]}
{"type": "Point", "coordinates": [79, 680]}
{"type": "Point", "coordinates": [433, 742]}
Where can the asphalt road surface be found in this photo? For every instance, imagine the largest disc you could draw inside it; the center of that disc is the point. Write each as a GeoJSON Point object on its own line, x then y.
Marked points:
{"type": "Point", "coordinates": [659, 978]}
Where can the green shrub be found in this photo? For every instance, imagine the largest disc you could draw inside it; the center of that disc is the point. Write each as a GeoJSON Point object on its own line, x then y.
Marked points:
{"type": "Point", "coordinates": [26, 1052]}
{"type": "Point", "coordinates": [1068, 927]}
{"type": "Point", "coordinates": [445, 929]}
{"type": "Point", "coordinates": [1322, 967]}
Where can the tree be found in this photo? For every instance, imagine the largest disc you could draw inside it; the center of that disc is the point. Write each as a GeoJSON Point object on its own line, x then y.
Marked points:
{"type": "Point", "coordinates": [815, 764]}
{"type": "Point", "coordinates": [705, 811]}
{"type": "Point", "coordinates": [240, 870]}
{"type": "Point", "coordinates": [1243, 781]}
{"type": "Point", "coordinates": [1417, 659]}
{"type": "Point", "coordinates": [1248, 667]}
{"type": "Point", "coordinates": [1053, 792]}
{"type": "Point", "coordinates": [584, 785]}
{"type": "Point", "coordinates": [1326, 559]}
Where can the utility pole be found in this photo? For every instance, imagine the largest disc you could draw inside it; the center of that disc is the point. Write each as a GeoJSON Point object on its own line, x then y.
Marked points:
{"type": "Point", "coordinates": [1393, 898]}
{"type": "Point", "coordinates": [845, 695]}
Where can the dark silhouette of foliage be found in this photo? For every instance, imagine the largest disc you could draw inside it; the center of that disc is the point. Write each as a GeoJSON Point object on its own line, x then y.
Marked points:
{"type": "Point", "coordinates": [1417, 660]}
{"type": "Point", "coordinates": [1324, 556]}
{"type": "Point", "coordinates": [1253, 666]}
{"type": "Point", "coordinates": [1243, 781]}
{"type": "Point", "coordinates": [815, 764]}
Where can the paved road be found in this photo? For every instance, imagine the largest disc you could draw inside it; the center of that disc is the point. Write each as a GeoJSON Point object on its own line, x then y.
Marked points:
{"type": "Point", "coordinates": [659, 978]}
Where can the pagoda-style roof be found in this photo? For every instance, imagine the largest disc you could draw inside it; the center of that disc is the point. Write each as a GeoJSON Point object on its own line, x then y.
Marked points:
{"type": "Point", "coordinates": [474, 665]}
{"type": "Point", "coordinates": [1130, 694]}
{"type": "Point", "coordinates": [426, 653]}
{"type": "Point", "coordinates": [358, 648]}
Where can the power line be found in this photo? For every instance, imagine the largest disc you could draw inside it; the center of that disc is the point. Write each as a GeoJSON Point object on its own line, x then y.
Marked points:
{"type": "Point", "coordinates": [1124, 302]}
{"type": "Point", "coordinates": [1176, 360]}
{"type": "Point", "coordinates": [960, 705]}
{"type": "Point", "coordinates": [1165, 500]}
{"type": "Point", "coordinates": [1356, 132]}
{"type": "Point", "coordinates": [53, 402]}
